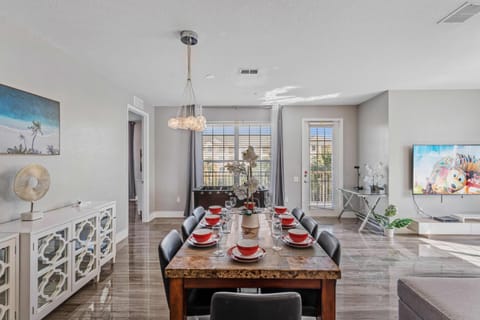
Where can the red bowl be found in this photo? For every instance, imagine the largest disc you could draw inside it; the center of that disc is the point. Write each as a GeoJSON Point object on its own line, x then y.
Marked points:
{"type": "Point", "coordinates": [280, 209]}
{"type": "Point", "coordinates": [298, 235]}
{"type": "Point", "coordinates": [212, 219]}
{"type": "Point", "coordinates": [202, 235]}
{"type": "Point", "coordinates": [247, 247]}
{"type": "Point", "coordinates": [287, 219]}
{"type": "Point", "coordinates": [215, 209]}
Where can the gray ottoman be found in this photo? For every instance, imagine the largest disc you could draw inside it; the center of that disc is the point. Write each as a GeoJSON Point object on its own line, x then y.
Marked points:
{"type": "Point", "coordinates": [433, 298]}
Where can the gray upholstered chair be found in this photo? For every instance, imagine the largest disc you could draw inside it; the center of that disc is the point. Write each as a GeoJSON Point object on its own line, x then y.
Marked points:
{"type": "Point", "coordinates": [198, 300]}
{"type": "Point", "coordinates": [298, 213]}
{"type": "Point", "coordinates": [309, 224]}
{"type": "Point", "coordinates": [188, 226]}
{"type": "Point", "coordinates": [248, 306]}
{"type": "Point", "coordinates": [331, 245]}
{"type": "Point", "coordinates": [199, 213]}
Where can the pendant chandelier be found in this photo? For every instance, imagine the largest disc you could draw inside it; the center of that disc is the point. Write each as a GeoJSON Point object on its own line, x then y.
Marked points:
{"type": "Point", "coordinates": [189, 116]}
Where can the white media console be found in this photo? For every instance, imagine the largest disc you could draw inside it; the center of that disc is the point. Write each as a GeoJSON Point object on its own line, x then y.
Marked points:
{"type": "Point", "coordinates": [469, 224]}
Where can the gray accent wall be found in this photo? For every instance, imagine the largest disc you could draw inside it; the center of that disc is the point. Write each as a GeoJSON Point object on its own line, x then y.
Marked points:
{"type": "Point", "coordinates": [429, 117]}
{"type": "Point", "coordinates": [93, 160]}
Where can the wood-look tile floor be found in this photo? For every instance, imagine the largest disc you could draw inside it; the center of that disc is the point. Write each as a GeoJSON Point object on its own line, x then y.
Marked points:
{"type": "Point", "coordinates": [371, 265]}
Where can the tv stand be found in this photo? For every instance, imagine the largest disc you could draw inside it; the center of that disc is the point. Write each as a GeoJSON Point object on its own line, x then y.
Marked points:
{"type": "Point", "coordinates": [462, 217]}
{"type": "Point", "coordinates": [429, 227]}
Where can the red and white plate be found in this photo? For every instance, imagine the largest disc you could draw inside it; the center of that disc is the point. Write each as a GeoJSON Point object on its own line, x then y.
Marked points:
{"type": "Point", "coordinates": [294, 224]}
{"type": "Point", "coordinates": [204, 224]}
{"type": "Point", "coordinates": [303, 244]}
{"type": "Point", "coordinates": [209, 243]}
{"type": "Point", "coordinates": [235, 254]}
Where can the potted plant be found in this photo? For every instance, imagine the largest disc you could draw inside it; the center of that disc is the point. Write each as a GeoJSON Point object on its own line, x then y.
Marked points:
{"type": "Point", "coordinates": [245, 190]}
{"type": "Point", "coordinates": [389, 226]}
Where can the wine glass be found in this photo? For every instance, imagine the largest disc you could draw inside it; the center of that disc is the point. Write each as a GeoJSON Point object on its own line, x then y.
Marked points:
{"type": "Point", "coordinates": [268, 201]}
{"type": "Point", "coordinates": [276, 233]}
{"type": "Point", "coordinates": [218, 232]}
{"type": "Point", "coordinates": [228, 205]}
{"type": "Point", "coordinates": [234, 201]}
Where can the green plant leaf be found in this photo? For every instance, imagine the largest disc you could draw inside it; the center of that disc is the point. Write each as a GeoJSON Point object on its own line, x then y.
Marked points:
{"type": "Point", "coordinates": [400, 223]}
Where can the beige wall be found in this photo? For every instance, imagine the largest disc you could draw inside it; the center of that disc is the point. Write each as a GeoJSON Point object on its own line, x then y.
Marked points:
{"type": "Point", "coordinates": [93, 160]}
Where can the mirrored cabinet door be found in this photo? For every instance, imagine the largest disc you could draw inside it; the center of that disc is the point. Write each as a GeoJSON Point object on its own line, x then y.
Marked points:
{"type": "Point", "coordinates": [107, 223]}
{"type": "Point", "coordinates": [85, 256]}
{"type": "Point", "coordinates": [7, 280]}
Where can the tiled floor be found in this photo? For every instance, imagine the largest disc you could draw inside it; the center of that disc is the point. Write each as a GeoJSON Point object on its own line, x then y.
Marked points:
{"type": "Point", "coordinates": [371, 265]}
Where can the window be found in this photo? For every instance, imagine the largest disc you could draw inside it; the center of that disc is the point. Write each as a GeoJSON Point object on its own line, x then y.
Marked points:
{"type": "Point", "coordinates": [224, 142]}
{"type": "Point", "coordinates": [321, 180]}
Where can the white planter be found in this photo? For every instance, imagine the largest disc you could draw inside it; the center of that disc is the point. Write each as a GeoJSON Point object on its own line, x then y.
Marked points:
{"type": "Point", "coordinates": [389, 232]}
{"type": "Point", "coordinates": [250, 221]}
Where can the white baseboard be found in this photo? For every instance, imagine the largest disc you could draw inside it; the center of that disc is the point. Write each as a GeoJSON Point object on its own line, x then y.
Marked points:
{"type": "Point", "coordinates": [331, 214]}
{"type": "Point", "coordinates": [166, 214]}
{"type": "Point", "coordinates": [122, 235]}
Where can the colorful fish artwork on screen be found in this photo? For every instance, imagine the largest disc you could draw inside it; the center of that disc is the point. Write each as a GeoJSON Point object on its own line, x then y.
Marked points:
{"type": "Point", "coordinates": [446, 169]}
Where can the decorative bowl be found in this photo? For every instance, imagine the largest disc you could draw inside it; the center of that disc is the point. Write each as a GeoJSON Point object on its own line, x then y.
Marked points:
{"type": "Point", "coordinates": [212, 219]}
{"type": "Point", "coordinates": [201, 235]}
{"type": "Point", "coordinates": [247, 247]}
{"type": "Point", "coordinates": [287, 219]}
{"type": "Point", "coordinates": [215, 209]}
{"type": "Point", "coordinates": [280, 209]}
{"type": "Point", "coordinates": [298, 235]}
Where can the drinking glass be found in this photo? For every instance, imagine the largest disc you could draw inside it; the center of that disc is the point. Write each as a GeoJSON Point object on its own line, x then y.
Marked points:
{"type": "Point", "coordinates": [228, 205]}
{"type": "Point", "coordinates": [217, 231]}
{"type": "Point", "coordinates": [276, 233]}
{"type": "Point", "coordinates": [268, 201]}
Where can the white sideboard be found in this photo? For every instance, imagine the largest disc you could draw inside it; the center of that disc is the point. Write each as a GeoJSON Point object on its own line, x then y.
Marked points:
{"type": "Point", "coordinates": [8, 276]}
{"type": "Point", "coordinates": [60, 253]}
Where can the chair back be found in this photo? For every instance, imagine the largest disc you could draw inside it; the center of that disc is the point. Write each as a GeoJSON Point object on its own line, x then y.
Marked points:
{"type": "Point", "coordinates": [167, 249]}
{"type": "Point", "coordinates": [298, 213]}
{"type": "Point", "coordinates": [198, 212]}
{"type": "Point", "coordinates": [187, 226]}
{"type": "Point", "coordinates": [331, 245]}
{"type": "Point", "coordinates": [242, 306]}
{"type": "Point", "coordinates": [309, 224]}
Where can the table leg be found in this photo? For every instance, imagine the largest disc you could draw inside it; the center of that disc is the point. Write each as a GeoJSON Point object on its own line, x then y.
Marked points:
{"type": "Point", "coordinates": [177, 300]}
{"type": "Point", "coordinates": [369, 212]}
{"type": "Point", "coordinates": [328, 299]}
{"type": "Point", "coordinates": [346, 205]}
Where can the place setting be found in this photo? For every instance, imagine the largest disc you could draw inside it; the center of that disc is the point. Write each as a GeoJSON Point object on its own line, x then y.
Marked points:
{"type": "Point", "coordinates": [203, 238]}
{"type": "Point", "coordinates": [298, 238]}
{"type": "Point", "coordinates": [246, 251]}
{"type": "Point", "coordinates": [288, 221]}
{"type": "Point", "coordinates": [210, 220]}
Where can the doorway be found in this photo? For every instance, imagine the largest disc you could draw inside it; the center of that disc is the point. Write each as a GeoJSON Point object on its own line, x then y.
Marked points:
{"type": "Point", "coordinates": [138, 165]}
{"type": "Point", "coordinates": [322, 165]}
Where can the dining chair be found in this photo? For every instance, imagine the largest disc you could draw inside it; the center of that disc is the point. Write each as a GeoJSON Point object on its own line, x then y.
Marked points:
{"type": "Point", "coordinates": [251, 306]}
{"type": "Point", "coordinates": [309, 224]}
{"type": "Point", "coordinates": [310, 298]}
{"type": "Point", "coordinates": [199, 213]}
{"type": "Point", "coordinates": [198, 300]}
{"type": "Point", "coordinates": [298, 213]}
{"type": "Point", "coordinates": [188, 226]}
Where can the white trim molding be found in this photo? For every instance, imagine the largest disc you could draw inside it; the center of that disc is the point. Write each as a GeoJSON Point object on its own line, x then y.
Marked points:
{"type": "Point", "coordinates": [146, 159]}
{"type": "Point", "coordinates": [165, 214]}
{"type": "Point", "coordinates": [122, 235]}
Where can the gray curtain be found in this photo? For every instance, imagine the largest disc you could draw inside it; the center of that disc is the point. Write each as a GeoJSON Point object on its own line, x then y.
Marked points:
{"type": "Point", "coordinates": [132, 192]}
{"type": "Point", "coordinates": [191, 168]}
{"type": "Point", "coordinates": [278, 179]}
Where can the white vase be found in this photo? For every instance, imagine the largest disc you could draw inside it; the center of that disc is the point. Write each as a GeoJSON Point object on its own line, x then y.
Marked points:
{"type": "Point", "coordinates": [250, 221]}
{"type": "Point", "coordinates": [389, 232]}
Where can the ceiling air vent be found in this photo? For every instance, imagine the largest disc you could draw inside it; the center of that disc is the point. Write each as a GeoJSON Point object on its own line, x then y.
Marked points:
{"type": "Point", "coordinates": [461, 14]}
{"type": "Point", "coordinates": [246, 71]}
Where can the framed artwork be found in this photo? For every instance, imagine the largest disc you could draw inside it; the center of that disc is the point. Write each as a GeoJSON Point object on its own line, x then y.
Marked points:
{"type": "Point", "coordinates": [29, 124]}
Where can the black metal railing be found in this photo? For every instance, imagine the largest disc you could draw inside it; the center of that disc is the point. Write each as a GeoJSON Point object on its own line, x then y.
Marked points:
{"type": "Point", "coordinates": [321, 189]}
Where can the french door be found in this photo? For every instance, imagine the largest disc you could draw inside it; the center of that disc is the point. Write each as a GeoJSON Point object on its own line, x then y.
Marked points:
{"type": "Point", "coordinates": [322, 164]}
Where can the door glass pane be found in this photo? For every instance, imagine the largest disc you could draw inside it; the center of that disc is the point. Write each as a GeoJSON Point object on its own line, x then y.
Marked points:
{"type": "Point", "coordinates": [321, 177]}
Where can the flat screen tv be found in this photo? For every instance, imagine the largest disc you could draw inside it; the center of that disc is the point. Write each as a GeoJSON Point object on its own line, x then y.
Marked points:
{"type": "Point", "coordinates": [447, 169]}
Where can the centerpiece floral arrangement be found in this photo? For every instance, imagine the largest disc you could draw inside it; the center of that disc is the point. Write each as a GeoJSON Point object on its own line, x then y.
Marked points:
{"type": "Point", "coordinates": [245, 190]}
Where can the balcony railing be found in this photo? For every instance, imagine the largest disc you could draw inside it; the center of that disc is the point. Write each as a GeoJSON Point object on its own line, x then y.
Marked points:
{"type": "Point", "coordinates": [321, 190]}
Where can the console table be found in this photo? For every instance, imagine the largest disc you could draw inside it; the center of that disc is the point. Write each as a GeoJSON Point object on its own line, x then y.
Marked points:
{"type": "Point", "coordinates": [8, 276]}
{"type": "Point", "coordinates": [369, 199]}
{"type": "Point", "coordinates": [60, 253]}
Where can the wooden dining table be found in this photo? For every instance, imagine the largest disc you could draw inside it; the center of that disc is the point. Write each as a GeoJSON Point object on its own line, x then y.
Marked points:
{"type": "Point", "coordinates": [306, 268]}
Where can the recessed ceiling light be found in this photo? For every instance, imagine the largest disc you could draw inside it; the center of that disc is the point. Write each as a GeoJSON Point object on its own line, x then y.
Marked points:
{"type": "Point", "coordinates": [210, 76]}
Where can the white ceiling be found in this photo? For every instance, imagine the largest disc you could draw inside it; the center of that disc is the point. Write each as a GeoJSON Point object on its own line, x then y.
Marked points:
{"type": "Point", "coordinates": [316, 51]}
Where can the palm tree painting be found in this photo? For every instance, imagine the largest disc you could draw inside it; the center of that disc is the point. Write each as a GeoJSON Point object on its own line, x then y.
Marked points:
{"type": "Point", "coordinates": [29, 124]}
